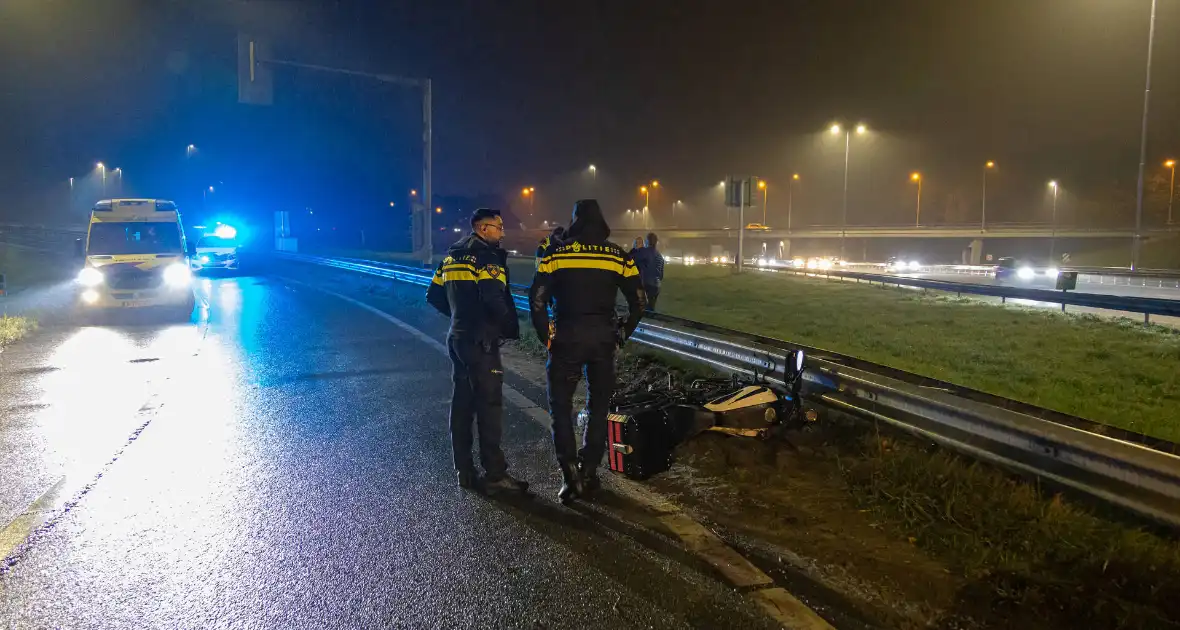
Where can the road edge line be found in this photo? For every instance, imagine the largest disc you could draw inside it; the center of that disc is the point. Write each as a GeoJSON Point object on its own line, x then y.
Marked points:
{"type": "Point", "coordinates": [699, 540]}
{"type": "Point", "coordinates": [24, 524]}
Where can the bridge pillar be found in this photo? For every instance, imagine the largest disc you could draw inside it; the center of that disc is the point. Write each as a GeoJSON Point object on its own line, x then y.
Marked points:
{"type": "Point", "coordinates": [976, 252]}
{"type": "Point", "coordinates": [784, 249]}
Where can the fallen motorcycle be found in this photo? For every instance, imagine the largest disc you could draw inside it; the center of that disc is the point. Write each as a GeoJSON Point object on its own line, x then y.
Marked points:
{"type": "Point", "coordinates": [646, 425]}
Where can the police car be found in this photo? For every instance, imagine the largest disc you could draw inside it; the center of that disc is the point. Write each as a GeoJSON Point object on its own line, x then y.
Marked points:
{"type": "Point", "coordinates": [218, 250]}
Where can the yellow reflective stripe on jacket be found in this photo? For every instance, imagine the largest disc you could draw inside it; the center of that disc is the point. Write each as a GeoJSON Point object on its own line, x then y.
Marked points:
{"type": "Point", "coordinates": [630, 270]}
{"type": "Point", "coordinates": [488, 274]}
{"type": "Point", "coordinates": [551, 265]}
{"type": "Point", "coordinates": [438, 278]}
{"type": "Point", "coordinates": [453, 271]}
{"type": "Point", "coordinates": [460, 275]}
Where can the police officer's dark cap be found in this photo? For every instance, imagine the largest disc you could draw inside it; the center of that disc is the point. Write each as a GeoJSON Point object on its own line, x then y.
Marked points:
{"type": "Point", "coordinates": [482, 214]}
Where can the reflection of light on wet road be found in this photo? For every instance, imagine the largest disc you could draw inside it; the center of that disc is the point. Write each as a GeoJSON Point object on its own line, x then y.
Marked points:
{"type": "Point", "coordinates": [100, 379]}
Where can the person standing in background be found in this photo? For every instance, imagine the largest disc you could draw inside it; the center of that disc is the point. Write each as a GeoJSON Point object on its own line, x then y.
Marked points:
{"type": "Point", "coordinates": [651, 268]}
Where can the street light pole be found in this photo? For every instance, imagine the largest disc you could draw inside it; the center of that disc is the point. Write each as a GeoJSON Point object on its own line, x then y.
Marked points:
{"type": "Point", "coordinates": [983, 213]}
{"type": "Point", "coordinates": [917, 177]}
{"type": "Point", "coordinates": [1137, 239]}
{"type": "Point", "coordinates": [860, 129]}
{"type": "Point", "coordinates": [791, 198]}
{"type": "Point", "coordinates": [765, 195]}
{"type": "Point", "coordinates": [1171, 192]}
{"type": "Point", "coordinates": [1053, 238]}
{"type": "Point", "coordinates": [844, 210]}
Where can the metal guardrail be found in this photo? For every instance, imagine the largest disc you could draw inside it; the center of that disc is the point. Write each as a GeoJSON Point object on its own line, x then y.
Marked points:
{"type": "Point", "coordinates": [1128, 304]}
{"type": "Point", "coordinates": [1133, 473]}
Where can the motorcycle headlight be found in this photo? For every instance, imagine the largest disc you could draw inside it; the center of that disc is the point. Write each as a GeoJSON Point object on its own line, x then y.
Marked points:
{"type": "Point", "coordinates": [90, 277]}
{"type": "Point", "coordinates": [177, 275]}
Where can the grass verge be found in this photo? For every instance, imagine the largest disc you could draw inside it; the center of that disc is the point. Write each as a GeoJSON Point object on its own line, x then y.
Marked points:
{"type": "Point", "coordinates": [1116, 372]}
{"type": "Point", "coordinates": [1029, 558]}
{"type": "Point", "coordinates": [13, 328]}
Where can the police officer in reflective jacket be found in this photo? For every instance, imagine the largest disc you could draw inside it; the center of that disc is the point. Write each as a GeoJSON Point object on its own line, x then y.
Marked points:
{"type": "Point", "coordinates": [583, 274]}
{"type": "Point", "coordinates": [471, 287]}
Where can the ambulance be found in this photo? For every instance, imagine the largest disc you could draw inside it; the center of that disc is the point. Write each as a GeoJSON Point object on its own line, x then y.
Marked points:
{"type": "Point", "coordinates": [135, 257]}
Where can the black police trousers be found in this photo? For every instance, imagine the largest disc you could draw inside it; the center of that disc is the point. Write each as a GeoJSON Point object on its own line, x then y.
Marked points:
{"type": "Point", "coordinates": [567, 363]}
{"type": "Point", "coordinates": [478, 377]}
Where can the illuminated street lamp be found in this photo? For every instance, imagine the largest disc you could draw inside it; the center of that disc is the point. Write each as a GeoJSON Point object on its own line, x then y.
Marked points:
{"type": "Point", "coordinates": [413, 193]}
{"type": "Point", "coordinates": [791, 198]}
{"type": "Point", "coordinates": [100, 166]}
{"type": "Point", "coordinates": [530, 194]}
{"type": "Point", "coordinates": [1172, 192]}
{"type": "Point", "coordinates": [861, 129]}
{"type": "Point", "coordinates": [765, 196]}
{"type": "Point", "coordinates": [190, 150]}
{"type": "Point", "coordinates": [917, 177]}
{"type": "Point", "coordinates": [987, 166]}
{"type": "Point", "coordinates": [1053, 238]}
{"type": "Point", "coordinates": [119, 172]}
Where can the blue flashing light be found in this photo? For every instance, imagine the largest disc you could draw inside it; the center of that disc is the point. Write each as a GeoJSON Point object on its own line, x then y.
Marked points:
{"type": "Point", "coordinates": [225, 231]}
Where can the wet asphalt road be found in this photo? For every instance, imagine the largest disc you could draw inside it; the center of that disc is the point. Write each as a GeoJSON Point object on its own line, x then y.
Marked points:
{"type": "Point", "coordinates": [282, 461]}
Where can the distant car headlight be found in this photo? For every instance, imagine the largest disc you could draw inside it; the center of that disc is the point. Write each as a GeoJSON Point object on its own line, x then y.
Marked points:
{"type": "Point", "coordinates": [1052, 272]}
{"type": "Point", "coordinates": [914, 265]}
{"type": "Point", "coordinates": [90, 277]}
{"type": "Point", "coordinates": [1026, 273]}
{"type": "Point", "coordinates": [799, 262]}
{"type": "Point", "coordinates": [761, 262]}
{"type": "Point", "coordinates": [177, 275]}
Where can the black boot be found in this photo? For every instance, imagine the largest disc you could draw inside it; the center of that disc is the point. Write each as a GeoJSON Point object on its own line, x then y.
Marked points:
{"type": "Point", "coordinates": [506, 484]}
{"type": "Point", "coordinates": [468, 479]}
{"type": "Point", "coordinates": [571, 487]}
{"type": "Point", "coordinates": [591, 484]}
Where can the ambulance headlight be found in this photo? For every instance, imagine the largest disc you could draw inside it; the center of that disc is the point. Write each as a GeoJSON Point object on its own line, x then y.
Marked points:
{"type": "Point", "coordinates": [90, 277]}
{"type": "Point", "coordinates": [177, 275]}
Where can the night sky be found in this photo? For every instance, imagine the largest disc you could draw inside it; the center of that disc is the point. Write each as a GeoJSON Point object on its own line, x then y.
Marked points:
{"type": "Point", "coordinates": [530, 93]}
